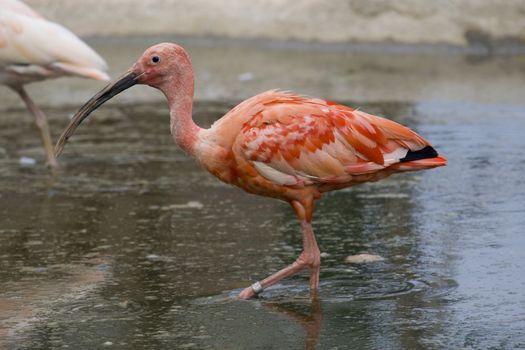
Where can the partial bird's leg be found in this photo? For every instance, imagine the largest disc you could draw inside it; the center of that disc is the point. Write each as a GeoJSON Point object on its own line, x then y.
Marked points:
{"type": "Point", "coordinates": [41, 123]}
{"type": "Point", "coordinates": [310, 256]}
{"type": "Point", "coordinates": [311, 323]}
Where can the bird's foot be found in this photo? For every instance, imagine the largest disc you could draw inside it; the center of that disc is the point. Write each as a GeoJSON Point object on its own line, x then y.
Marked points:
{"type": "Point", "coordinates": [247, 293]}
{"type": "Point", "coordinates": [251, 291]}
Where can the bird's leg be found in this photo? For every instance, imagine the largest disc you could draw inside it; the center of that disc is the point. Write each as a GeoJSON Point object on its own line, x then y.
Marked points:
{"type": "Point", "coordinates": [310, 256]}
{"type": "Point", "coordinates": [41, 123]}
{"type": "Point", "coordinates": [311, 323]}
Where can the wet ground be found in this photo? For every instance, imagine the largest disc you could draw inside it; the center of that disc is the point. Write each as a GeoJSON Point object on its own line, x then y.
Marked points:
{"type": "Point", "coordinates": [132, 246]}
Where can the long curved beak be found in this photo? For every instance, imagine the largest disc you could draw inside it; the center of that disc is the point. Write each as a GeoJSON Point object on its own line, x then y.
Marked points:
{"type": "Point", "coordinates": [126, 81]}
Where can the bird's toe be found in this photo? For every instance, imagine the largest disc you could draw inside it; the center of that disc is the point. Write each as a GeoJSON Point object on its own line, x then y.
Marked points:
{"type": "Point", "coordinates": [247, 293]}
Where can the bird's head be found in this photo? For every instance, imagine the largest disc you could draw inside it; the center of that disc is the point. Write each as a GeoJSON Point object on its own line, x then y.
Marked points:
{"type": "Point", "coordinates": [159, 65]}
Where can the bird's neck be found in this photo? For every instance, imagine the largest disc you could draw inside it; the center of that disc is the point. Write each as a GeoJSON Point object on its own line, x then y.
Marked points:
{"type": "Point", "coordinates": [179, 93]}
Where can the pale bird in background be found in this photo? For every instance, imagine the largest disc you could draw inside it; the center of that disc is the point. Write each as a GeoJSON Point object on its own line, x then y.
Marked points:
{"type": "Point", "coordinates": [32, 49]}
{"type": "Point", "coordinates": [276, 144]}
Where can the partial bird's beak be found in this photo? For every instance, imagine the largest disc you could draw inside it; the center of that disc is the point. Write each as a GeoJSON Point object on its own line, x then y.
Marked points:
{"type": "Point", "coordinates": [124, 82]}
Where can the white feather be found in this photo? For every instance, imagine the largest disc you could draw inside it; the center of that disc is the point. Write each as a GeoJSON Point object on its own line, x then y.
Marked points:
{"type": "Point", "coordinates": [18, 7]}
{"type": "Point", "coordinates": [32, 40]}
{"type": "Point", "coordinates": [275, 175]}
{"type": "Point", "coordinates": [395, 156]}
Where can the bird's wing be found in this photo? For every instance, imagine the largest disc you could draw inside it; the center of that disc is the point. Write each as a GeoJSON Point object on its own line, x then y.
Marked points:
{"type": "Point", "coordinates": [29, 40]}
{"type": "Point", "coordinates": [299, 140]}
{"type": "Point", "coordinates": [18, 7]}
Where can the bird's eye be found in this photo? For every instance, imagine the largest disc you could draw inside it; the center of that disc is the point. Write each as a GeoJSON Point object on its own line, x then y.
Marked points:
{"type": "Point", "coordinates": [155, 59]}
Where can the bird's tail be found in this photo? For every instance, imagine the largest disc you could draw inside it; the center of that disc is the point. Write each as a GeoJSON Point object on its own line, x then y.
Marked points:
{"type": "Point", "coordinates": [423, 159]}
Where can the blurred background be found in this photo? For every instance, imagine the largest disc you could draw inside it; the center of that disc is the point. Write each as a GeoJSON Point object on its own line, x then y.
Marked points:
{"type": "Point", "coordinates": [259, 45]}
{"type": "Point", "coordinates": [132, 246]}
{"type": "Point", "coordinates": [453, 22]}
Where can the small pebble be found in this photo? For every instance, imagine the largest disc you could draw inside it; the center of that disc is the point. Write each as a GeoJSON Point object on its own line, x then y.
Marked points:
{"type": "Point", "coordinates": [190, 204]}
{"type": "Point", "coordinates": [383, 196]}
{"type": "Point", "coordinates": [246, 76]}
{"type": "Point", "coordinates": [194, 204]}
{"type": "Point", "coordinates": [30, 269]}
{"type": "Point", "coordinates": [363, 258]}
{"type": "Point", "coordinates": [27, 161]}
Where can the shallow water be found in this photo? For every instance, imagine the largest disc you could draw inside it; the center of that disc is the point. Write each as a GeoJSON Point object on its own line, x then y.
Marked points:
{"type": "Point", "coordinates": [132, 246]}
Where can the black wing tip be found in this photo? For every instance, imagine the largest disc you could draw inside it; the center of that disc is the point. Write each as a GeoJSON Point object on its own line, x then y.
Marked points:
{"type": "Point", "coordinates": [424, 153]}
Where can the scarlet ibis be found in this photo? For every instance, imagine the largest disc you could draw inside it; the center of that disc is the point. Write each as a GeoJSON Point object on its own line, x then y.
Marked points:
{"type": "Point", "coordinates": [275, 144]}
{"type": "Point", "coordinates": [33, 49]}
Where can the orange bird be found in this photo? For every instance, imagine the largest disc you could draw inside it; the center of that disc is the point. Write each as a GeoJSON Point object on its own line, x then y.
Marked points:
{"type": "Point", "coordinates": [275, 144]}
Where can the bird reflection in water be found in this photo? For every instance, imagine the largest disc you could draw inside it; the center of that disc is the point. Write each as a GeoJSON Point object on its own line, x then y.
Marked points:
{"type": "Point", "coordinates": [309, 316]}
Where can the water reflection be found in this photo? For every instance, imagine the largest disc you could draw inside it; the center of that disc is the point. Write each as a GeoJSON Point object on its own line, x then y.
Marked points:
{"type": "Point", "coordinates": [309, 316]}
{"type": "Point", "coordinates": [31, 300]}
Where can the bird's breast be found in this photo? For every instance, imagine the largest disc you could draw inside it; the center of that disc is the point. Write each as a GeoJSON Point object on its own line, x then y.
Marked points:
{"type": "Point", "coordinates": [217, 159]}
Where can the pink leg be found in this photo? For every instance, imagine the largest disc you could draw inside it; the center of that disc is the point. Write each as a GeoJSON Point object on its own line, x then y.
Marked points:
{"type": "Point", "coordinates": [41, 123]}
{"type": "Point", "coordinates": [310, 256]}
